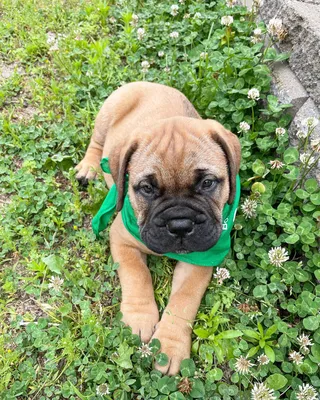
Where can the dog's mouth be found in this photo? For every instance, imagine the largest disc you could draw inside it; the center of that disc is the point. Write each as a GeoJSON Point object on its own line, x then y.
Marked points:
{"type": "Point", "coordinates": [161, 243]}
{"type": "Point", "coordinates": [182, 251]}
{"type": "Point", "coordinates": [181, 230]}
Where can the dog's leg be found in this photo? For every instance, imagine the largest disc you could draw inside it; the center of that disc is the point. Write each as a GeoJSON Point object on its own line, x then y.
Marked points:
{"type": "Point", "coordinates": [90, 164]}
{"type": "Point", "coordinates": [138, 305]}
{"type": "Point", "coordinates": [174, 329]}
{"type": "Point", "coordinates": [119, 105]}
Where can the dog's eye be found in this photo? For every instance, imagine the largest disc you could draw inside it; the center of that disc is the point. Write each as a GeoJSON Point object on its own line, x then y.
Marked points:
{"type": "Point", "coordinates": [207, 183]}
{"type": "Point", "coordinates": [146, 188]}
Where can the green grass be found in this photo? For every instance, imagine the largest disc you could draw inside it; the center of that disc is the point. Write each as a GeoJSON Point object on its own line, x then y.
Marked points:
{"type": "Point", "coordinates": [66, 342]}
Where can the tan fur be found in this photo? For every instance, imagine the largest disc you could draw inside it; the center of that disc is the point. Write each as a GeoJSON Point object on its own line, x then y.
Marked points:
{"type": "Point", "coordinates": [152, 128]}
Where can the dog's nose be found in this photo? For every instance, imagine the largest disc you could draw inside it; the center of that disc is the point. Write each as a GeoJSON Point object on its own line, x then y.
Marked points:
{"type": "Point", "coordinates": [180, 227]}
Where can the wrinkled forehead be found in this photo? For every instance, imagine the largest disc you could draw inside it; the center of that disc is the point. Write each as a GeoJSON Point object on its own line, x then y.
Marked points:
{"type": "Point", "coordinates": [179, 160]}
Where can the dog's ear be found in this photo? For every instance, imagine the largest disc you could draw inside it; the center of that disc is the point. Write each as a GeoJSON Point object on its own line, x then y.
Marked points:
{"type": "Point", "coordinates": [230, 144]}
{"type": "Point", "coordinates": [118, 162]}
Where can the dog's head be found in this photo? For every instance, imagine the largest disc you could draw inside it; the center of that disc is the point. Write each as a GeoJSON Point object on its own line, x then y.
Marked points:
{"type": "Point", "coordinates": [182, 172]}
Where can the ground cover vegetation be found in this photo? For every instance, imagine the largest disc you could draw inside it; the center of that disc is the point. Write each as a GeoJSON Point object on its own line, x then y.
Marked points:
{"type": "Point", "coordinates": [257, 333]}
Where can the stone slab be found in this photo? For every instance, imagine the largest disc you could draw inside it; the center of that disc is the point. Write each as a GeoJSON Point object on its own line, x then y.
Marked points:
{"type": "Point", "coordinates": [311, 1]}
{"type": "Point", "coordinates": [309, 109]}
{"type": "Point", "coordinates": [302, 21]}
{"type": "Point", "coordinates": [287, 87]}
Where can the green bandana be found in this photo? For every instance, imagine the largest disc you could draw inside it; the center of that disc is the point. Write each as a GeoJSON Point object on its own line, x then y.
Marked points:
{"type": "Point", "coordinates": [209, 258]}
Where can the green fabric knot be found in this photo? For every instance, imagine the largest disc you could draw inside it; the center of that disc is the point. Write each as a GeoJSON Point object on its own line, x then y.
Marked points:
{"type": "Point", "coordinates": [209, 258]}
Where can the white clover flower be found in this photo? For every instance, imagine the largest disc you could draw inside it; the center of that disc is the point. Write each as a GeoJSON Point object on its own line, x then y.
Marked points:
{"type": "Point", "coordinates": [243, 365]}
{"type": "Point", "coordinates": [276, 29]}
{"type": "Point", "coordinates": [134, 20]}
{"type": "Point", "coordinates": [174, 35]}
{"type": "Point", "coordinates": [197, 15]}
{"type": "Point", "coordinates": [249, 208]}
{"type": "Point", "coordinates": [296, 357]}
{"type": "Point", "coordinates": [145, 66]}
{"type": "Point", "coordinates": [174, 10]}
{"type": "Point", "coordinates": [141, 32]}
{"type": "Point", "coordinates": [257, 32]}
{"type": "Point", "coordinates": [55, 283]}
{"type": "Point", "coordinates": [255, 6]}
{"type": "Point", "coordinates": [306, 159]}
{"type": "Point", "coordinates": [254, 94]}
{"type": "Point", "coordinates": [227, 20]}
{"type": "Point", "coordinates": [145, 350]}
{"type": "Point", "coordinates": [261, 392]}
{"type": "Point", "coordinates": [186, 16]}
{"type": "Point", "coordinates": [181, 1]}
{"type": "Point", "coordinates": [310, 122]}
{"type": "Point", "coordinates": [112, 20]}
{"type": "Point", "coordinates": [263, 359]}
{"type": "Point", "coordinates": [102, 389]}
{"type": "Point", "coordinates": [51, 37]}
{"type": "Point", "coordinates": [315, 145]}
{"type": "Point", "coordinates": [307, 392]}
{"type": "Point", "coordinates": [221, 274]}
{"type": "Point", "coordinates": [277, 256]}
{"type": "Point", "coordinates": [255, 39]}
{"type": "Point", "coordinates": [276, 164]}
{"type": "Point", "coordinates": [203, 55]}
{"type": "Point", "coordinates": [244, 127]}
{"type": "Point", "coordinates": [231, 3]}
{"type": "Point", "coordinates": [160, 53]}
{"type": "Point", "coordinates": [304, 342]}
{"type": "Point", "coordinates": [302, 134]}
{"type": "Point", "coordinates": [166, 69]}
{"type": "Point", "coordinates": [280, 132]}
{"type": "Point", "coordinates": [274, 26]}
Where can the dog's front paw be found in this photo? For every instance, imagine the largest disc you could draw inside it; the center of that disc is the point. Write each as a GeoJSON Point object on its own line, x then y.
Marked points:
{"type": "Point", "coordinates": [87, 170]}
{"type": "Point", "coordinates": [175, 343]}
{"type": "Point", "coordinates": [142, 318]}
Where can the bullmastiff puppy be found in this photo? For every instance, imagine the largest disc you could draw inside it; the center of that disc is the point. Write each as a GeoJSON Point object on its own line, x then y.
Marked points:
{"type": "Point", "coordinates": [182, 171]}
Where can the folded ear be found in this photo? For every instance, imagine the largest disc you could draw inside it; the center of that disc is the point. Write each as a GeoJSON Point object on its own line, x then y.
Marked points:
{"type": "Point", "coordinates": [230, 144]}
{"type": "Point", "coordinates": [118, 162]}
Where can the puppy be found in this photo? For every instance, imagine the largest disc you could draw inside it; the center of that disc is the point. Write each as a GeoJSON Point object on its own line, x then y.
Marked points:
{"type": "Point", "coordinates": [181, 174]}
